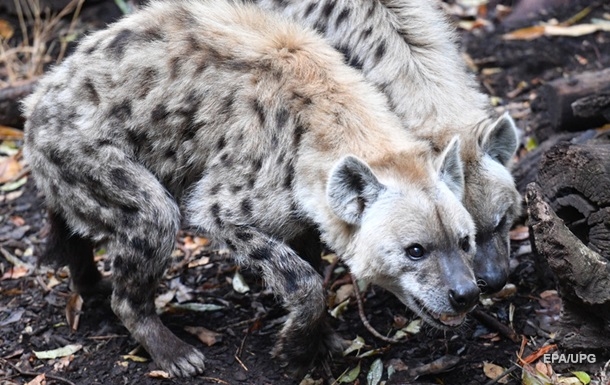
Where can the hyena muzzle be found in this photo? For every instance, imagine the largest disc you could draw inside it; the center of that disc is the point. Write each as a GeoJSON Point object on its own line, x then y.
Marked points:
{"type": "Point", "coordinates": [407, 49]}
{"type": "Point", "coordinates": [257, 128]}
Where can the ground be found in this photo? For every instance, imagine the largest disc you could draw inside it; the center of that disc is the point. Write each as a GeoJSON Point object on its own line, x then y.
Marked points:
{"type": "Point", "coordinates": [38, 311]}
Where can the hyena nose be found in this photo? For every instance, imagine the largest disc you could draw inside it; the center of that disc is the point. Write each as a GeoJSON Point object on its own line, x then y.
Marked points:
{"type": "Point", "coordinates": [493, 283]}
{"type": "Point", "coordinates": [464, 297]}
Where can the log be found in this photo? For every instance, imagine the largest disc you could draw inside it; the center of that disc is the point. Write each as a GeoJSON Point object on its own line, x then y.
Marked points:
{"type": "Point", "coordinates": [583, 276]}
{"type": "Point", "coordinates": [10, 97]}
{"type": "Point", "coordinates": [575, 179]}
{"type": "Point", "coordinates": [554, 103]}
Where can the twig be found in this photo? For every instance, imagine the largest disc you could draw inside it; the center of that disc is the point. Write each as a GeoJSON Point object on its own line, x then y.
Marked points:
{"type": "Point", "coordinates": [213, 379]}
{"type": "Point", "coordinates": [493, 323]}
{"type": "Point", "coordinates": [34, 374]}
{"type": "Point", "coordinates": [365, 322]}
{"type": "Point", "coordinates": [502, 375]}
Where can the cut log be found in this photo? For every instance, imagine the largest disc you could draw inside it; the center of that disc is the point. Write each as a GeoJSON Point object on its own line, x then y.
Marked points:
{"type": "Point", "coordinates": [575, 179]}
{"type": "Point", "coordinates": [554, 103]}
{"type": "Point", "coordinates": [583, 276]}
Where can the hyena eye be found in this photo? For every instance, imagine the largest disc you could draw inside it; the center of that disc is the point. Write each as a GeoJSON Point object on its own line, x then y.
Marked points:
{"type": "Point", "coordinates": [416, 251]}
{"type": "Point", "coordinates": [465, 244]}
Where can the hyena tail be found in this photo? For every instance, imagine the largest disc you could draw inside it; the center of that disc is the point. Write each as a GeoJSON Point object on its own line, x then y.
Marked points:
{"type": "Point", "coordinates": [64, 247]}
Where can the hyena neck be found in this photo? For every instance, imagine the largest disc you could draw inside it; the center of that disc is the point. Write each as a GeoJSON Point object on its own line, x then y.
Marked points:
{"type": "Point", "coordinates": [406, 49]}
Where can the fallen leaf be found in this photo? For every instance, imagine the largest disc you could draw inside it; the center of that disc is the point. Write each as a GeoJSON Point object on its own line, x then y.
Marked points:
{"type": "Point", "coordinates": [344, 292]}
{"type": "Point", "coordinates": [527, 33]}
{"type": "Point", "coordinates": [583, 377]}
{"type": "Point", "coordinates": [10, 167]}
{"type": "Point", "coordinates": [74, 307]}
{"type": "Point", "coordinates": [199, 262]}
{"type": "Point", "coordinates": [519, 233]}
{"type": "Point", "coordinates": [531, 376]}
{"type": "Point", "coordinates": [239, 283]}
{"type": "Point", "coordinates": [575, 30]}
{"type": "Point", "coordinates": [356, 345]}
{"type": "Point", "coordinates": [493, 371]}
{"type": "Point", "coordinates": [158, 374]}
{"type": "Point", "coordinates": [6, 32]}
{"type": "Point", "coordinates": [339, 309]}
{"type": "Point", "coordinates": [14, 316]}
{"type": "Point", "coordinates": [414, 326]}
{"type": "Point", "coordinates": [375, 372]}
{"type": "Point", "coordinates": [16, 272]}
{"type": "Point", "coordinates": [163, 299]}
{"type": "Point", "coordinates": [13, 185]}
{"type": "Point", "coordinates": [350, 376]}
{"type": "Point", "coordinates": [63, 363]}
{"type": "Point", "coordinates": [134, 358]}
{"type": "Point", "coordinates": [206, 336]}
{"type": "Point", "coordinates": [60, 352]}
{"type": "Point", "coordinates": [569, 381]}
{"type": "Point", "coordinates": [38, 380]}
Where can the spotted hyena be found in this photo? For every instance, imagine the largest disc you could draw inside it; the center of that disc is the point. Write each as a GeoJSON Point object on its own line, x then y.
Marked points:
{"type": "Point", "coordinates": [257, 128]}
{"type": "Point", "coordinates": [407, 49]}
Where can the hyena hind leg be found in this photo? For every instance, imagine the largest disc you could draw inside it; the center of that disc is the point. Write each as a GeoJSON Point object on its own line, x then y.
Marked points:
{"type": "Point", "coordinates": [64, 247]}
{"type": "Point", "coordinates": [306, 338]}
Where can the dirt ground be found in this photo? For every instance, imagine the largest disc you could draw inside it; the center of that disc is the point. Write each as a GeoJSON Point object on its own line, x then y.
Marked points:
{"type": "Point", "coordinates": [34, 301]}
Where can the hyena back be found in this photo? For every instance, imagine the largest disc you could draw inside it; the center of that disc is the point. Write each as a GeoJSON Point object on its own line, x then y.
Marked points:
{"type": "Point", "coordinates": [407, 49]}
{"type": "Point", "coordinates": [258, 129]}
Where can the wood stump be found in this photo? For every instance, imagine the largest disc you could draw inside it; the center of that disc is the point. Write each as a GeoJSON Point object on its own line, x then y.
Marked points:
{"type": "Point", "coordinates": [569, 213]}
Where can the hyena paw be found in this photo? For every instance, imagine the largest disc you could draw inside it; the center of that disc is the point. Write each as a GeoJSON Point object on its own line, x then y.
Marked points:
{"type": "Point", "coordinates": [181, 360]}
{"type": "Point", "coordinates": [300, 349]}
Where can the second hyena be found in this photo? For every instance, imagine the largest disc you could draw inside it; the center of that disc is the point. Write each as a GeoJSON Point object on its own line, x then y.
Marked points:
{"type": "Point", "coordinates": [259, 130]}
{"type": "Point", "coordinates": [407, 49]}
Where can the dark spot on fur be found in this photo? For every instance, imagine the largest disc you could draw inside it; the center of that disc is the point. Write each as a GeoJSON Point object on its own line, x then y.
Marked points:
{"type": "Point", "coordinates": [137, 138]}
{"type": "Point", "coordinates": [261, 253]}
{"type": "Point", "coordinates": [257, 165]}
{"type": "Point", "coordinates": [91, 92]}
{"type": "Point", "coordinates": [226, 160]}
{"type": "Point", "coordinates": [291, 280]}
{"type": "Point", "coordinates": [342, 17]}
{"type": "Point", "coordinates": [236, 188]}
{"type": "Point", "coordinates": [220, 145]}
{"type": "Point", "coordinates": [121, 111]}
{"type": "Point", "coordinates": [121, 179]}
{"type": "Point", "coordinates": [152, 34]}
{"type": "Point", "coordinates": [231, 245]}
{"type": "Point", "coordinates": [104, 142]}
{"type": "Point", "coordinates": [170, 153]}
{"type": "Point", "coordinates": [227, 105]}
{"type": "Point", "coordinates": [372, 9]}
{"type": "Point", "coordinates": [251, 182]}
{"type": "Point", "coordinates": [175, 66]}
{"type": "Point", "coordinates": [246, 206]}
{"type": "Point", "coordinates": [309, 9]}
{"type": "Point", "coordinates": [194, 44]}
{"type": "Point", "coordinates": [143, 246]}
{"type": "Point", "coordinates": [329, 8]}
{"type": "Point", "coordinates": [289, 176]}
{"type": "Point", "coordinates": [320, 27]}
{"type": "Point", "coordinates": [93, 48]}
{"type": "Point", "coordinates": [215, 210]}
{"type": "Point", "coordinates": [380, 51]}
{"type": "Point", "coordinates": [146, 80]}
{"type": "Point", "coordinates": [215, 189]}
{"type": "Point", "coordinates": [355, 62]}
{"type": "Point", "coordinates": [244, 235]}
{"type": "Point", "coordinates": [281, 117]}
{"type": "Point", "coordinates": [260, 111]}
{"type": "Point", "coordinates": [116, 48]}
{"type": "Point", "coordinates": [159, 113]}
{"type": "Point", "coordinates": [366, 33]}
{"type": "Point", "coordinates": [296, 137]}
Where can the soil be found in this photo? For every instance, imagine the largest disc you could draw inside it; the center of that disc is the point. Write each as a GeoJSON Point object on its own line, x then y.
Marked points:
{"type": "Point", "coordinates": [33, 302]}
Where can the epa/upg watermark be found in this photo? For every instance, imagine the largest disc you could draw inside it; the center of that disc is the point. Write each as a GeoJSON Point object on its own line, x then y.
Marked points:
{"type": "Point", "coordinates": [570, 358]}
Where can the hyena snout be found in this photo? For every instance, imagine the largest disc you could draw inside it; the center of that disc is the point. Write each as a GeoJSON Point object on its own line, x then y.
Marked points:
{"type": "Point", "coordinates": [464, 295]}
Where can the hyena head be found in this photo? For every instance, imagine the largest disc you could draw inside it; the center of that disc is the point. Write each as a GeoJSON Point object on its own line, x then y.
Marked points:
{"type": "Point", "coordinates": [492, 200]}
{"type": "Point", "coordinates": [410, 235]}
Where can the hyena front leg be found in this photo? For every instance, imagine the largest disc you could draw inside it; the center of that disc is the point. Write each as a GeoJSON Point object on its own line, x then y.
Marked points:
{"type": "Point", "coordinates": [306, 337]}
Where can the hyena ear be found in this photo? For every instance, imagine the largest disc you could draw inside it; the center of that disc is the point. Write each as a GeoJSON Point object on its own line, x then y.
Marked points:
{"type": "Point", "coordinates": [451, 169]}
{"type": "Point", "coordinates": [500, 140]}
{"type": "Point", "coordinates": [351, 187]}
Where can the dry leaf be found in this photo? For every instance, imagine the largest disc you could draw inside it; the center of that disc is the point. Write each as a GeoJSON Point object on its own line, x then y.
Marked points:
{"type": "Point", "coordinates": [63, 363]}
{"type": "Point", "coordinates": [9, 169]}
{"type": "Point", "coordinates": [519, 233]}
{"type": "Point", "coordinates": [239, 283]}
{"type": "Point", "coordinates": [344, 292]}
{"type": "Point", "coordinates": [73, 310]}
{"type": "Point", "coordinates": [16, 272]}
{"type": "Point", "coordinates": [199, 262]}
{"type": "Point", "coordinates": [158, 374]}
{"type": "Point", "coordinates": [527, 33]}
{"type": "Point", "coordinates": [493, 371]}
{"type": "Point", "coordinates": [56, 353]}
{"type": "Point", "coordinates": [575, 30]}
{"type": "Point", "coordinates": [134, 358]}
{"type": "Point", "coordinates": [206, 336]}
{"type": "Point", "coordinates": [9, 133]}
{"type": "Point", "coordinates": [38, 380]}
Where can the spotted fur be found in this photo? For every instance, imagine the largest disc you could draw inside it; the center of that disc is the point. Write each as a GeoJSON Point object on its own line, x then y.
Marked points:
{"type": "Point", "coordinates": [256, 127]}
{"type": "Point", "coordinates": [408, 50]}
